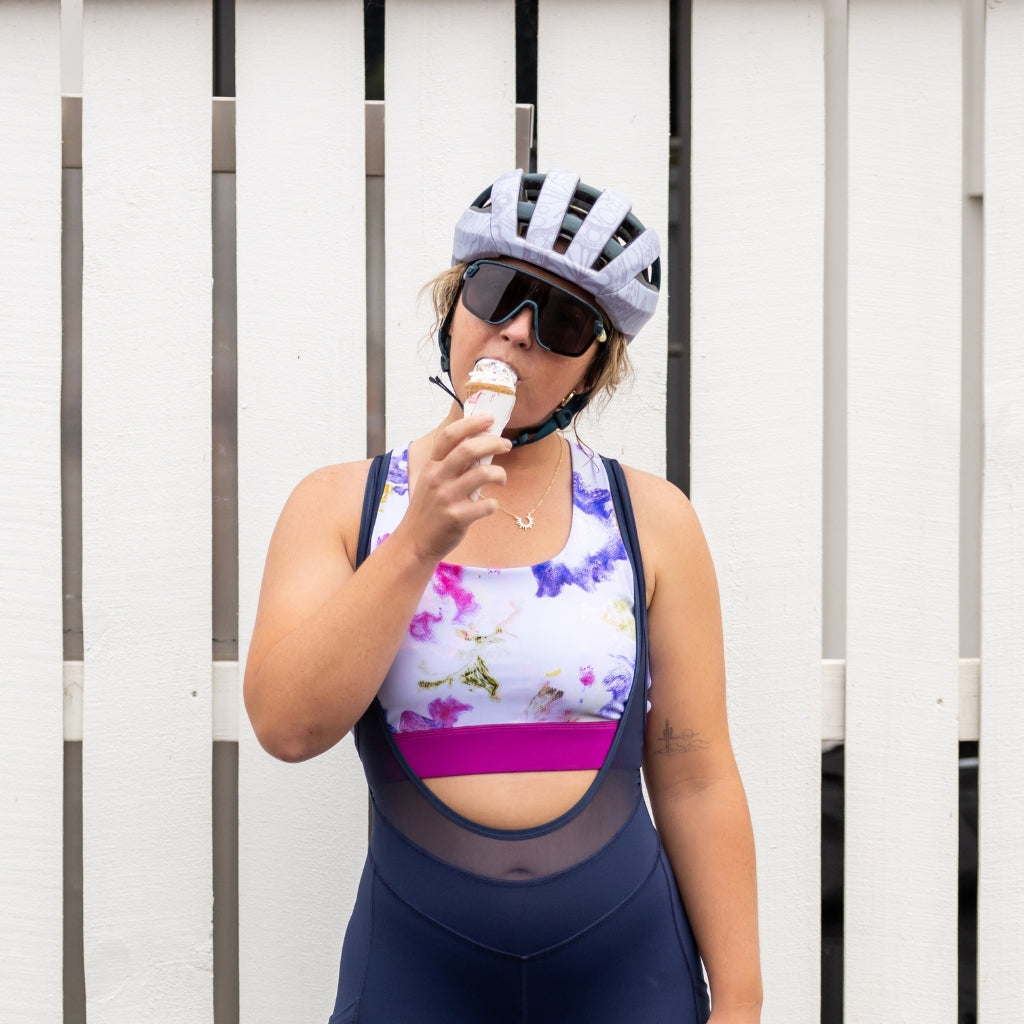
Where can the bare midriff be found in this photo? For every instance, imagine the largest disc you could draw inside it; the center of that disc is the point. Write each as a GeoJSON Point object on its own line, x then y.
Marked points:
{"type": "Point", "coordinates": [512, 800]}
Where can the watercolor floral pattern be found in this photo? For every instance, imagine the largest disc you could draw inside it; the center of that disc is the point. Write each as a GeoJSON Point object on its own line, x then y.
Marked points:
{"type": "Point", "coordinates": [553, 642]}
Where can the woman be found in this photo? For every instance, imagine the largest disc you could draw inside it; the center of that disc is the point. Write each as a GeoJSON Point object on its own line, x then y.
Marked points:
{"type": "Point", "coordinates": [491, 614]}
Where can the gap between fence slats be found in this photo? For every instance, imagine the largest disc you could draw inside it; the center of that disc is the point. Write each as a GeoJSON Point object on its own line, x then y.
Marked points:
{"type": "Point", "coordinates": [30, 542]}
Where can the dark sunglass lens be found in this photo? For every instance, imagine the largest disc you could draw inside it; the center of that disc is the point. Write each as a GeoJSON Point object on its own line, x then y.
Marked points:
{"type": "Point", "coordinates": [494, 292]}
{"type": "Point", "coordinates": [489, 292]}
{"type": "Point", "coordinates": [566, 325]}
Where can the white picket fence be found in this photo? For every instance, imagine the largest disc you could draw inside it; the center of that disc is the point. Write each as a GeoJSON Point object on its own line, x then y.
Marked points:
{"type": "Point", "coordinates": [851, 438]}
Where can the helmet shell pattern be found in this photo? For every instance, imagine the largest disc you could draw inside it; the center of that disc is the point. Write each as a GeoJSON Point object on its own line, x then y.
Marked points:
{"type": "Point", "coordinates": [607, 251]}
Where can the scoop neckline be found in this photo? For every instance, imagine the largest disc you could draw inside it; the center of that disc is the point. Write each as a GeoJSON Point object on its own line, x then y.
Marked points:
{"type": "Point", "coordinates": [513, 568]}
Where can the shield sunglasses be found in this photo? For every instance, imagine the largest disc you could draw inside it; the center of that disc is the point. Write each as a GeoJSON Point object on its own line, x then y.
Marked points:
{"type": "Point", "coordinates": [563, 323]}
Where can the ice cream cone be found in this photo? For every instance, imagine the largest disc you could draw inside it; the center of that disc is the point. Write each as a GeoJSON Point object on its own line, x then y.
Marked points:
{"type": "Point", "coordinates": [491, 388]}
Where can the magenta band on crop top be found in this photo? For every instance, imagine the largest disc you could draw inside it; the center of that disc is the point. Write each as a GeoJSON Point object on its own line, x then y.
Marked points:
{"type": "Point", "coordinates": [515, 747]}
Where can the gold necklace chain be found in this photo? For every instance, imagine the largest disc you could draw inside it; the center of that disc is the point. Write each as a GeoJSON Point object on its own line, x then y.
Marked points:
{"type": "Point", "coordinates": [526, 522]}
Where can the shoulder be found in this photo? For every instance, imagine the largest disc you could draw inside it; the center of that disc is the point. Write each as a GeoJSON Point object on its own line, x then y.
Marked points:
{"type": "Point", "coordinates": [660, 508]}
{"type": "Point", "coordinates": [327, 504]}
{"type": "Point", "coordinates": [671, 538]}
{"type": "Point", "coordinates": [332, 486]}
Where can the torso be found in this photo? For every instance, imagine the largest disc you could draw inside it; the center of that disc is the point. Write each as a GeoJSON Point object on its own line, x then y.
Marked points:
{"type": "Point", "coordinates": [522, 799]}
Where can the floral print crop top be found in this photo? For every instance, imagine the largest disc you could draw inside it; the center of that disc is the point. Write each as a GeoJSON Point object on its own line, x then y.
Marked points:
{"type": "Point", "coordinates": [516, 669]}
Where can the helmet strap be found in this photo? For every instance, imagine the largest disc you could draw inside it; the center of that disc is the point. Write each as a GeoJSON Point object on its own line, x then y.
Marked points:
{"type": "Point", "coordinates": [444, 387]}
{"type": "Point", "coordinates": [558, 420]}
{"type": "Point", "coordinates": [444, 342]}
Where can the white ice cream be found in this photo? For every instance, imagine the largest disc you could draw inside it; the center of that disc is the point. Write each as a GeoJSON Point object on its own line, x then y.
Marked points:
{"type": "Point", "coordinates": [493, 374]}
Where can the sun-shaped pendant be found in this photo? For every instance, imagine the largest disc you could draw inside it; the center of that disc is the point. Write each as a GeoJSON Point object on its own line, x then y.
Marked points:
{"type": "Point", "coordinates": [525, 524]}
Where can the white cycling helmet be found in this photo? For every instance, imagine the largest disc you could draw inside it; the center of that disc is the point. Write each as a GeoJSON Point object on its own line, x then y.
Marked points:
{"type": "Point", "coordinates": [608, 252]}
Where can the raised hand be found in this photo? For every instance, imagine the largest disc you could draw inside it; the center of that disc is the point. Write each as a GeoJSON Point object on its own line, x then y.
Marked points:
{"type": "Point", "coordinates": [443, 505]}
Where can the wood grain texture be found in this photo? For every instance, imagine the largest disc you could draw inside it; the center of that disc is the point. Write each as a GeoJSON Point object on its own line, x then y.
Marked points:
{"type": "Point", "coordinates": [449, 80]}
{"type": "Point", "coordinates": [903, 443]}
{"type": "Point", "coordinates": [613, 130]}
{"type": "Point", "coordinates": [1001, 782]}
{"type": "Point", "coordinates": [30, 537]}
{"type": "Point", "coordinates": [302, 404]}
{"type": "Point", "coordinates": [756, 435]}
{"type": "Point", "coordinates": [146, 316]}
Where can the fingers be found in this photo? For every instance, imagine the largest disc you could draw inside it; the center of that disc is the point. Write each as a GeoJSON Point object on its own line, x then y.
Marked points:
{"type": "Point", "coordinates": [468, 439]}
{"type": "Point", "coordinates": [443, 504]}
{"type": "Point", "coordinates": [461, 461]}
{"type": "Point", "coordinates": [471, 447]}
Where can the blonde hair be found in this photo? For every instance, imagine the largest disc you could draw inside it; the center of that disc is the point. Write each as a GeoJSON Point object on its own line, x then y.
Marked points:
{"type": "Point", "coordinates": [610, 368]}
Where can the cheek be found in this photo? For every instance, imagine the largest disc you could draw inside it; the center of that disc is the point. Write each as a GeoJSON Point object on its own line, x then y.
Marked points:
{"type": "Point", "coordinates": [464, 326]}
{"type": "Point", "coordinates": [464, 345]}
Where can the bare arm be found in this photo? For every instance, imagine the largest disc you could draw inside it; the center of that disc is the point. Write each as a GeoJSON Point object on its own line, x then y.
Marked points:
{"type": "Point", "coordinates": [698, 800]}
{"type": "Point", "coordinates": [325, 634]}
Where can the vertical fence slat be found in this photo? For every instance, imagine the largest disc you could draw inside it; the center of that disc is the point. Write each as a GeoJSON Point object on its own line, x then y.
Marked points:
{"type": "Point", "coordinates": [449, 132]}
{"type": "Point", "coordinates": [30, 578]}
{"type": "Point", "coordinates": [146, 511]}
{"type": "Point", "coordinates": [904, 418]}
{"type": "Point", "coordinates": [1001, 821]}
{"type": "Point", "coordinates": [302, 404]}
{"type": "Point", "coordinates": [756, 448]}
{"type": "Point", "coordinates": [617, 137]}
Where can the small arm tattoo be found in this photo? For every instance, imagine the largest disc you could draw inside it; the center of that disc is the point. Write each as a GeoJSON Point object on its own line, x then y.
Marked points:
{"type": "Point", "coordinates": [671, 742]}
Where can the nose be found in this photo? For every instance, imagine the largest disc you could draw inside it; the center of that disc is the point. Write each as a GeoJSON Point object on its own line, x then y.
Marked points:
{"type": "Point", "coordinates": [518, 328]}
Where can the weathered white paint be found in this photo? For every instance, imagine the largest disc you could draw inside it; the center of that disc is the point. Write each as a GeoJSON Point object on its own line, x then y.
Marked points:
{"type": "Point", "coordinates": [614, 137]}
{"type": "Point", "coordinates": [302, 404]}
{"type": "Point", "coordinates": [30, 572]}
{"type": "Point", "coordinates": [146, 315]}
{"type": "Point", "coordinates": [449, 132]}
{"type": "Point", "coordinates": [1001, 820]}
{"type": "Point", "coordinates": [758, 216]}
{"type": "Point", "coordinates": [903, 451]}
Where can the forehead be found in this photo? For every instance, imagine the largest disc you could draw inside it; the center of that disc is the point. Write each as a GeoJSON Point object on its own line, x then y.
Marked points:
{"type": "Point", "coordinates": [531, 268]}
